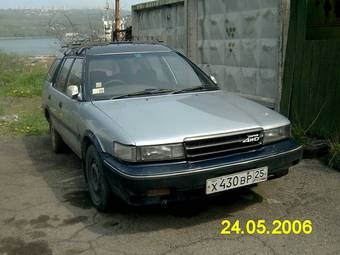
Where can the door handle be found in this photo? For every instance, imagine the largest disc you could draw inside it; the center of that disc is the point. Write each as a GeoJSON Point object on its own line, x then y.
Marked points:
{"type": "Point", "coordinates": [60, 105]}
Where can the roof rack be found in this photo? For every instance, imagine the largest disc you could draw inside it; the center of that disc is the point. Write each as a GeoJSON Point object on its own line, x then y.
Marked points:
{"type": "Point", "coordinates": [79, 47]}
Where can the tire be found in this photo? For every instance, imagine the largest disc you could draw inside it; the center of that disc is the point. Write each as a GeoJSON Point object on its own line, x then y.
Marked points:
{"type": "Point", "coordinates": [57, 142]}
{"type": "Point", "coordinates": [98, 186]}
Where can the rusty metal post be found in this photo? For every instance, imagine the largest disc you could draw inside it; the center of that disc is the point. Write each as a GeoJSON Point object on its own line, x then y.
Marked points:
{"type": "Point", "coordinates": [117, 20]}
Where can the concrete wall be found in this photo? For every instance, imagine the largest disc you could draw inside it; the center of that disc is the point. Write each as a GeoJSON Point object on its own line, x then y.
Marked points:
{"type": "Point", "coordinates": [239, 42]}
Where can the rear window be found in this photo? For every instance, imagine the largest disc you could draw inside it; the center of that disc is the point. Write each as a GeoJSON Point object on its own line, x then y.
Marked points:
{"type": "Point", "coordinates": [60, 83]}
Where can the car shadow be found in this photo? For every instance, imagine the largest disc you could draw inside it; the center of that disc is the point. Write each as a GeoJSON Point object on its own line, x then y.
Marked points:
{"type": "Point", "coordinates": [64, 175]}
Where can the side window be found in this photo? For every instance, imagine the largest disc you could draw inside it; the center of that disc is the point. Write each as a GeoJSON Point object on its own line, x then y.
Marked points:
{"type": "Point", "coordinates": [60, 83]}
{"type": "Point", "coordinates": [75, 74]}
{"type": "Point", "coordinates": [53, 69]}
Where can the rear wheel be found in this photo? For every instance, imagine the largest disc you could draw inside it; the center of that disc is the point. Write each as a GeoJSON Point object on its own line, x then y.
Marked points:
{"type": "Point", "coordinates": [58, 144]}
{"type": "Point", "coordinates": [97, 184]}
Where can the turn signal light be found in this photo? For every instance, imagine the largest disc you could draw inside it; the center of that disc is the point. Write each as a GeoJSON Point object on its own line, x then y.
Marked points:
{"type": "Point", "coordinates": [158, 192]}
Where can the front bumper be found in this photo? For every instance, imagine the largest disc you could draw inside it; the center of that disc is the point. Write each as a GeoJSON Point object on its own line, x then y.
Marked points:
{"type": "Point", "coordinates": [186, 180]}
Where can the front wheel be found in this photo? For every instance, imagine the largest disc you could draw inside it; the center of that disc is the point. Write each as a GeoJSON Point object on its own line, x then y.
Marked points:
{"type": "Point", "coordinates": [97, 184]}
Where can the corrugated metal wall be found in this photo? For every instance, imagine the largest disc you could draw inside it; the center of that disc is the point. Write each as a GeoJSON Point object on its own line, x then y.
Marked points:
{"type": "Point", "coordinates": [160, 21]}
{"type": "Point", "coordinates": [236, 41]}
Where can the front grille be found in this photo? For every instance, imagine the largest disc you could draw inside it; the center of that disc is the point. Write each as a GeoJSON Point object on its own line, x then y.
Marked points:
{"type": "Point", "coordinates": [218, 145]}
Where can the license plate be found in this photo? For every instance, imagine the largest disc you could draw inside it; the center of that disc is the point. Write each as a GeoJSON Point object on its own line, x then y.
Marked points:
{"type": "Point", "coordinates": [236, 180]}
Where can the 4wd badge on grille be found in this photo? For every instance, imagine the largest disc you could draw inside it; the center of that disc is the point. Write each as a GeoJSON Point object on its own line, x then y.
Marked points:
{"type": "Point", "coordinates": [252, 138]}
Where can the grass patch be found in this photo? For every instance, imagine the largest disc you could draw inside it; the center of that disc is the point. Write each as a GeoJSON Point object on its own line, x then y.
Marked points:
{"type": "Point", "coordinates": [33, 124]}
{"type": "Point", "coordinates": [2, 109]}
{"type": "Point", "coordinates": [29, 124]}
{"type": "Point", "coordinates": [19, 77]}
{"type": "Point", "coordinates": [21, 83]}
{"type": "Point", "coordinates": [27, 84]}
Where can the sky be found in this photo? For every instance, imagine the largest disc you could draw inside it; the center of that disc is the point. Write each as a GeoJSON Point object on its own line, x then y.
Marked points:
{"type": "Point", "coordinates": [6, 4]}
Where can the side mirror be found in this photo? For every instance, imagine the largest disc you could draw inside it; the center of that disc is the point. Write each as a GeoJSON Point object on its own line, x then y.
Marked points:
{"type": "Point", "coordinates": [213, 79]}
{"type": "Point", "coordinates": [72, 91]}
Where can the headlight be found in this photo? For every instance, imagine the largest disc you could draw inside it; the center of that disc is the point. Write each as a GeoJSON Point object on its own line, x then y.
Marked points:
{"type": "Point", "coordinates": [161, 152]}
{"type": "Point", "coordinates": [276, 134]}
{"type": "Point", "coordinates": [148, 153]}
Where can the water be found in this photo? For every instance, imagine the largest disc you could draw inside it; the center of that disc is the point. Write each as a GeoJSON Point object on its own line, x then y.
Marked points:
{"type": "Point", "coordinates": [30, 46]}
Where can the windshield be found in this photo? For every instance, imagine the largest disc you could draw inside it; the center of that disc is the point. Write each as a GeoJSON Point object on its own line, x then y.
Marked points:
{"type": "Point", "coordinates": [112, 76]}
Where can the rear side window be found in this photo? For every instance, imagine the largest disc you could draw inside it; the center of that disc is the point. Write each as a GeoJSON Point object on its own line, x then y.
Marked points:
{"type": "Point", "coordinates": [60, 83]}
{"type": "Point", "coordinates": [53, 69]}
{"type": "Point", "coordinates": [76, 73]}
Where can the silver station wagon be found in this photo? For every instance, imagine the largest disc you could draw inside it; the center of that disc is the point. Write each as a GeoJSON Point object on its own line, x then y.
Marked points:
{"type": "Point", "coordinates": [151, 127]}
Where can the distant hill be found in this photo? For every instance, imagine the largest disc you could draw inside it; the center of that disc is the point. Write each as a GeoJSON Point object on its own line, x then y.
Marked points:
{"type": "Point", "coordinates": [35, 23]}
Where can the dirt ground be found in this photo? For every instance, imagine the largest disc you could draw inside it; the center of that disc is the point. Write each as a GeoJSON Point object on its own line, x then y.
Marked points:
{"type": "Point", "coordinates": [45, 209]}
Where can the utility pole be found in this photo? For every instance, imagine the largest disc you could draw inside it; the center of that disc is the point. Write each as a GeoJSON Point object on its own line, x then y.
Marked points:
{"type": "Point", "coordinates": [117, 19]}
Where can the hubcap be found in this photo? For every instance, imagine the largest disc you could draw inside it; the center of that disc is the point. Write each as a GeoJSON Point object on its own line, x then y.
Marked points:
{"type": "Point", "coordinates": [94, 181]}
{"type": "Point", "coordinates": [95, 176]}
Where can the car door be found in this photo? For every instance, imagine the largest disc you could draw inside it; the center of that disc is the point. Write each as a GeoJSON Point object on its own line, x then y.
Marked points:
{"type": "Point", "coordinates": [57, 97]}
{"type": "Point", "coordinates": [70, 107]}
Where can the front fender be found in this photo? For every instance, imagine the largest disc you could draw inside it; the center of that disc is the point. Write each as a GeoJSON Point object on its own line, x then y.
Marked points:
{"type": "Point", "coordinates": [90, 138]}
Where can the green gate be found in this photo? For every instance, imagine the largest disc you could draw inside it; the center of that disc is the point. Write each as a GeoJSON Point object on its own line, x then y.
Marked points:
{"type": "Point", "coordinates": [311, 84]}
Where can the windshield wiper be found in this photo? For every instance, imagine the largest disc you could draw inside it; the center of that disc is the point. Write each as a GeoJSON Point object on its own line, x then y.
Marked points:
{"type": "Point", "coordinates": [143, 92]}
{"type": "Point", "coordinates": [197, 88]}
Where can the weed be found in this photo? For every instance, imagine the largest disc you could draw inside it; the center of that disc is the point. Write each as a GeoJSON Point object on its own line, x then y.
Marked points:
{"type": "Point", "coordinates": [299, 134]}
{"type": "Point", "coordinates": [334, 150]}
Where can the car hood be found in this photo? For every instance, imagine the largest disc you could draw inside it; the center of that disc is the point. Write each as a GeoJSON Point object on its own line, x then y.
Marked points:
{"type": "Point", "coordinates": [172, 118]}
